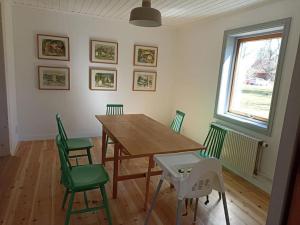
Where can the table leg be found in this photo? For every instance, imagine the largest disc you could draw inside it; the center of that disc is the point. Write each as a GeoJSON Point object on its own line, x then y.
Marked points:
{"type": "Point", "coordinates": [116, 169]}
{"type": "Point", "coordinates": [103, 146]}
{"type": "Point", "coordinates": [148, 176]}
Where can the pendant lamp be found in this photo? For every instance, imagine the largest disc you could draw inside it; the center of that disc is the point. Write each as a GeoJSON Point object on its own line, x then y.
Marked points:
{"type": "Point", "coordinates": [145, 16]}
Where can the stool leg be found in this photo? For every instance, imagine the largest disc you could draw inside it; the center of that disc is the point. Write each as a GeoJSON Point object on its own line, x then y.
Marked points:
{"type": "Point", "coordinates": [196, 209]}
{"type": "Point", "coordinates": [225, 209]}
{"type": "Point", "coordinates": [154, 200]}
{"type": "Point", "coordinates": [178, 214]}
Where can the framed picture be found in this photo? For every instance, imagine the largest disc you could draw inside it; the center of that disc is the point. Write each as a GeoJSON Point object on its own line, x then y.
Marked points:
{"type": "Point", "coordinates": [103, 79]}
{"type": "Point", "coordinates": [145, 55]}
{"type": "Point", "coordinates": [144, 81]}
{"type": "Point", "coordinates": [54, 78]}
{"type": "Point", "coordinates": [53, 47]}
{"type": "Point", "coordinates": [104, 52]}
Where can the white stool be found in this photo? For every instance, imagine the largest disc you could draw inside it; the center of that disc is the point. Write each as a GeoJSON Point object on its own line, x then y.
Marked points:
{"type": "Point", "coordinates": [192, 177]}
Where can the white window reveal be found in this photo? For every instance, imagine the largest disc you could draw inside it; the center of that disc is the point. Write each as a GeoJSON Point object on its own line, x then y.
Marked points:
{"type": "Point", "coordinates": [250, 71]}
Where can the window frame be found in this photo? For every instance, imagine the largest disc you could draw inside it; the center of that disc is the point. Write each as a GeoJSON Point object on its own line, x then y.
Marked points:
{"type": "Point", "coordinates": [227, 72]}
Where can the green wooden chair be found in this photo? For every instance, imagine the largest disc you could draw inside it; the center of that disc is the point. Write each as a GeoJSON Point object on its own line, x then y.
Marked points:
{"type": "Point", "coordinates": [213, 142]}
{"type": "Point", "coordinates": [81, 179]}
{"type": "Point", "coordinates": [113, 109]}
{"type": "Point", "coordinates": [177, 121]}
{"type": "Point", "coordinates": [74, 144]}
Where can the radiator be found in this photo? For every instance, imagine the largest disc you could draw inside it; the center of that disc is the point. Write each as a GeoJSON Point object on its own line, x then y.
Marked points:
{"type": "Point", "coordinates": [241, 153]}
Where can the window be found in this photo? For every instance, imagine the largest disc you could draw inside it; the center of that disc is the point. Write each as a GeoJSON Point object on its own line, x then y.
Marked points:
{"type": "Point", "coordinates": [250, 71]}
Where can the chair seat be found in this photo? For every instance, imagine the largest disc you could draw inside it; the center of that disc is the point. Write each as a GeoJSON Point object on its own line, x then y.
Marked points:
{"type": "Point", "coordinates": [88, 176]}
{"type": "Point", "coordinates": [79, 143]}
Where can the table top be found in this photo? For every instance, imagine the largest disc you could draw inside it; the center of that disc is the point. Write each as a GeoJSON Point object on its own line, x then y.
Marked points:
{"type": "Point", "coordinates": [140, 135]}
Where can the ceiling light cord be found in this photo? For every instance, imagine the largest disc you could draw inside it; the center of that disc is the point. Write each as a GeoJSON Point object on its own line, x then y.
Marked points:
{"type": "Point", "coordinates": [146, 3]}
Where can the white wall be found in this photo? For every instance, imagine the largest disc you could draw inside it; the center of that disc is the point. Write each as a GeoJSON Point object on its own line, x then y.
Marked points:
{"type": "Point", "coordinates": [7, 26]}
{"type": "Point", "coordinates": [37, 108]}
{"type": "Point", "coordinates": [197, 77]}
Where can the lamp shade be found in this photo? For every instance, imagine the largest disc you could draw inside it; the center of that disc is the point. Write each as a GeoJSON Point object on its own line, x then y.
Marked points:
{"type": "Point", "coordinates": [145, 16]}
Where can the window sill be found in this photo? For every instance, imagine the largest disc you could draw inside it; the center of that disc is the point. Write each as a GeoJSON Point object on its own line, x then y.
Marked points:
{"type": "Point", "coordinates": [248, 123]}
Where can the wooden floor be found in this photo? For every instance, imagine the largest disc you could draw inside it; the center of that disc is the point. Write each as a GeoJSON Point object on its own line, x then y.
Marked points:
{"type": "Point", "coordinates": [30, 193]}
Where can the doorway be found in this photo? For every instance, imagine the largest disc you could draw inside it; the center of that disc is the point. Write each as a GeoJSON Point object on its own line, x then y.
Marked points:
{"type": "Point", "coordinates": [4, 133]}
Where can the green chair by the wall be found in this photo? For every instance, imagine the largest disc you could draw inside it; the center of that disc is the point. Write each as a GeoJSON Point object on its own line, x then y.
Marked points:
{"type": "Point", "coordinates": [177, 121]}
{"type": "Point", "coordinates": [213, 142]}
{"type": "Point", "coordinates": [74, 144]}
{"type": "Point", "coordinates": [81, 179]}
{"type": "Point", "coordinates": [113, 109]}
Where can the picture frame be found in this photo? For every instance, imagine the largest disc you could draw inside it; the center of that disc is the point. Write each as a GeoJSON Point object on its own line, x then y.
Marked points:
{"type": "Point", "coordinates": [103, 79]}
{"type": "Point", "coordinates": [103, 52]}
{"type": "Point", "coordinates": [53, 47]}
{"type": "Point", "coordinates": [145, 55]}
{"type": "Point", "coordinates": [144, 80]}
{"type": "Point", "coordinates": [53, 78]}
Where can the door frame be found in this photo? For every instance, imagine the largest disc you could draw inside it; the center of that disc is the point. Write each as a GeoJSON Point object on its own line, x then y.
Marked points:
{"type": "Point", "coordinates": [286, 153]}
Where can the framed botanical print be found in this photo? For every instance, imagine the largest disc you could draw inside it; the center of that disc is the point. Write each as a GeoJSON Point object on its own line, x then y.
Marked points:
{"type": "Point", "coordinates": [103, 52]}
{"type": "Point", "coordinates": [103, 79]}
{"type": "Point", "coordinates": [53, 47]}
{"type": "Point", "coordinates": [145, 55]}
{"type": "Point", "coordinates": [54, 78]}
{"type": "Point", "coordinates": [144, 81]}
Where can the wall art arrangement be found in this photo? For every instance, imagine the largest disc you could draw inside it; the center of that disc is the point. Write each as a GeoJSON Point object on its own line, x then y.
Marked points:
{"type": "Point", "coordinates": [53, 47]}
{"type": "Point", "coordinates": [144, 81]}
{"type": "Point", "coordinates": [103, 79]}
{"type": "Point", "coordinates": [103, 52]}
{"type": "Point", "coordinates": [145, 55]}
{"type": "Point", "coordinates": [54, 78]}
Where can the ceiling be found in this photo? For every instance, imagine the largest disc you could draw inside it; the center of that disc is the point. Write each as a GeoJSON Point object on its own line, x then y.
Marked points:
{"type": "Point", "coordinates": [174, 12]}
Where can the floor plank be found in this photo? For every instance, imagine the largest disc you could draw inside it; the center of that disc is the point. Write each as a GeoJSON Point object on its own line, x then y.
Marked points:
{"type": "Point", "coordinates": [31, 194]}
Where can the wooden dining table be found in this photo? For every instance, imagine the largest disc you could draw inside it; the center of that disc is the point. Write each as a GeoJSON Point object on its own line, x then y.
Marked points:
{"type": "Point", "coordinates": [137, 136]}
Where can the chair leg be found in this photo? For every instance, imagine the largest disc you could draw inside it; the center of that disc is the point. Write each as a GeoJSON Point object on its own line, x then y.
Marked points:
{"type": "Point", "coordinates": [220, 196]}
{"type": "Point", "coordinates": [178, 213]}
{"type": "Point", "coordinates": [207, 200]}
{"type": "Point", "coordinates": [69, 211]}
{"type": "Point", "coordinates": [85, 200]}
{"type": "Point", "coordinates": [88, 151]}
{"type": "Point", "coordinates": [186, 201]}
{"type": "Point", "coordinates": [65, 198]}
{"type": "Point", "coordinates": [196, 209]}
{"type": "Point", "coordinates": [106, 205]}
{"type": "Point", "coordinates": [225, 209]}
{"type": "Point", "coordinates": [106, 144]}
{"type": "Point", "coordinates": [154, 200]}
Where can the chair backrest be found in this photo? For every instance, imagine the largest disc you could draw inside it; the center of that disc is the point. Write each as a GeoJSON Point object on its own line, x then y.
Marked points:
{"type": "Point", "coordinates": [214, 141]}
{"type": "Point", "coordinates": [177, 121]}
{"type": "Point", "coordinates": [206, 175]}
{"type": "Point", "coordinates": [65, 164]}
{"type": "Point", "coordinates": [114, 109]}
{"type": "Point", "coordinates": [60, 127]}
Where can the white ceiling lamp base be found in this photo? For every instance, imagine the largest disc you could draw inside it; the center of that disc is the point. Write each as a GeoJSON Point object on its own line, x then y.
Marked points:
{"type": "Point", "coordinates": [145, 16]}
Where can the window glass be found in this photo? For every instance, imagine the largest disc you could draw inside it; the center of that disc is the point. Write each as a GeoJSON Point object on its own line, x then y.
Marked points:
{"type": "Point", "coordinates": [254, 76]}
